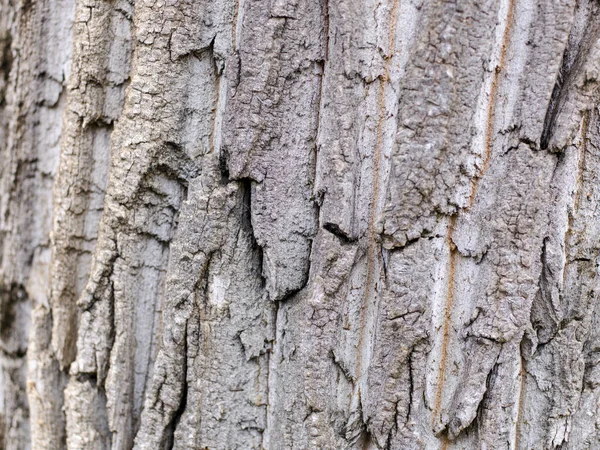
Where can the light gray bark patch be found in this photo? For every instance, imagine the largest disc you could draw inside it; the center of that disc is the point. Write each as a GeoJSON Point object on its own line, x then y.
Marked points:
{"type": "Point", "coordinates": [15, 415]}
{"type": "Point", "coordinates": [496, 322]}
{"type": "Point", "coordinates": [228, 352]}
{"type": "Point", "coordinates": [376, 73]}
{"type": "Point", "coordinates": [312, 409]}
{"type": "Point", "coordinates": [584, 424]}
{"type": "Point", "coordinates": [433, 158]}
{"type": "Point", "coordinates": [393, 404]}
{"type": "Point", "coordinates": [549, 25]}
{"type": "Point", "coordinates": [153, 158]}
{"type": "Point", "coordinates": [33, 100]}
{"type": "Point", "coordinates": [349, 52]}
{"type": "Point", "coordinates": [216, 156]}
{"type": "Point", "coordinates": [84, 399]}
{"type": "Point", "coordinates": [95, 92]}
{"type": "Point", "coordinates": [45, 386]}
{"type": "Point", "coordinates": [217, 327]}
{"type": "Point", "coordinates": [481, 357]}
{"type": "Point", "coordinates": [270, 131]}
{"type": "Point", "coordinates": [569, 289]}
{"type": "Point", "coordinates": [501, 407]}
{"type": "Point", "coordinates": [509, 272]}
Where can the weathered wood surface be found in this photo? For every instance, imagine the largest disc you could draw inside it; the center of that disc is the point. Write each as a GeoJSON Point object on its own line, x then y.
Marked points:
{"type": "Point", "coordinates": [299, 224]}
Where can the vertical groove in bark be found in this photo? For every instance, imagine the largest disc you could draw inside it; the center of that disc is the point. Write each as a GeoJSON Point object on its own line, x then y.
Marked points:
{"type": "Point", "coordinates": [369, 303]}
{"type": "Point", "coordinates": [453, 254]}
{"type": "Point", "coordinates": [491, 107]}
{"type": "Point", "coordinates": [520, 403]}
{"type": "Point", "coordinates": [489, 129]}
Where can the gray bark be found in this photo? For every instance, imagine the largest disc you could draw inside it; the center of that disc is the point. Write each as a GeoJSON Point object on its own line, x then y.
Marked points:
{"type": "Point", "coordinates": [299, 224]}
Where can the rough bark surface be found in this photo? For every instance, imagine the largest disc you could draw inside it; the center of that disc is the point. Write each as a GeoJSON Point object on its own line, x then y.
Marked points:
{"type": "Point", "coordinates": [299, 224]}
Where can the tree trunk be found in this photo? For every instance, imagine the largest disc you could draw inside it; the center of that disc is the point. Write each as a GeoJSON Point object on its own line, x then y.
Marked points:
{"type": "Point", "coordinates": [299, 224]}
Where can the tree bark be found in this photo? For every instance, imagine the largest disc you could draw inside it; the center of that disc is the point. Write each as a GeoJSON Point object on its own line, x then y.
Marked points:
{"type": "Point", "coordinates": [299, 224]}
